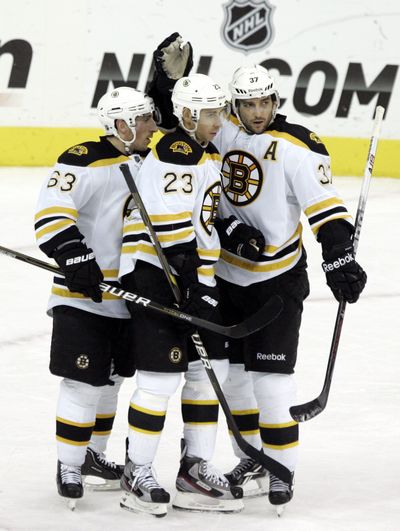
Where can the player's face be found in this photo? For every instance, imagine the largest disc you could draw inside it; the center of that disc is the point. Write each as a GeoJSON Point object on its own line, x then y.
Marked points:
{"type": "Point", "coordinates": [145, 128]}
{"type": "Point", "coordinates": [256, 113]}
{"type": "Point", "coordinates": [209, 124]}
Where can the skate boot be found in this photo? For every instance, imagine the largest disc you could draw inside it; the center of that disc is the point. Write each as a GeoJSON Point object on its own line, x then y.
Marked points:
{"type": "Point", "coordinates": [141, 491]}
{"type": "Point", "coordinates": [280, 493]}
{"type": "Point", "coordinates": [100, 474]}
{"type": "Point", "coordinates": [69, 483]}
{"type": "Point", "coordinates": [203, 488]}
{"type": "Point", "coordinates": [251, 476]}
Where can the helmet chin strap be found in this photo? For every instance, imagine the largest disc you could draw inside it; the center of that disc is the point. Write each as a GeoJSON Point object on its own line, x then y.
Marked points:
{"type": "Point", "coordinates": [192, 133]}
{"type": "Point", "coordinates": [127, 143]}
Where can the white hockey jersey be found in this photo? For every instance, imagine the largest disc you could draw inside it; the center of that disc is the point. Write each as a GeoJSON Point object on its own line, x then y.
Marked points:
{"type": "Point", "coordinates": [85, 194]}
{"type": "Point", "coordinates": [267, 181]}
{"type": "Point", "coordinates": [180, 185]}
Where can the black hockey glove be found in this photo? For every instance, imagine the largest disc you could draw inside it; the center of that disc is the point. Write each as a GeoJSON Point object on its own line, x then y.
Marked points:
{"type": "Point", "coordinates": [173, 59]}
{"type": "Point", "coordinates": [200, 300]}
{"type": "Point", "coordinates": [344, 275]}
{"type": "Point", "coordinates": [82, 274]}
{"type": "Point", "coordinates": [239, 238]}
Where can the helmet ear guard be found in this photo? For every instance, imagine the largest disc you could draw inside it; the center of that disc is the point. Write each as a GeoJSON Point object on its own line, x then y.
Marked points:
{"type": "Point", "coordinates": [123, 103]}
{"type": "Point", "coordinates": [196, 92]}
{"type": "Point", "coordinates": [253, 81]}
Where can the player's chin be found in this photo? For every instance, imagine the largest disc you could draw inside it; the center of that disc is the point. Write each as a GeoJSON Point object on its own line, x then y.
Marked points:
{"type": "Point", "coordinates": [258, 127]}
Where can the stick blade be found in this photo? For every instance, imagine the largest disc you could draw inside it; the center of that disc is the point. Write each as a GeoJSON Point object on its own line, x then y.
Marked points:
{"type": "Point", "coordinates": [262, 317]}
{"type": "Point", "coordinates": [306, 411]}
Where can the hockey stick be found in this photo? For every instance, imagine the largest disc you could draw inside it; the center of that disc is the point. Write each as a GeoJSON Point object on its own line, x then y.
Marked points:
{"type": "Point", "coordinates": [309, 410]}
{"type": "Point", "coordinates": [252, 324]}
{"type": "Point", "coordinates": [258, 455]}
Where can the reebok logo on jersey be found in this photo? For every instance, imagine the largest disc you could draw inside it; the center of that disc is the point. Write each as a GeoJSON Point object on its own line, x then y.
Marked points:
{"type": "Point", "coordinates": [339, 263]}
{"type": "Point", "coordinates": [210, 300]}
{"type": "Point", "coordinates": [270, 357]}
{"type": "Point", "coordinates": [79, 259]}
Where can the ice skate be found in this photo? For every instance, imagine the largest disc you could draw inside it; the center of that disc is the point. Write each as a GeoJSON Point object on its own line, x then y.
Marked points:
{"type": "Point", "coordinates": [100, 474]}
{"type": "Point", "coordinates": [250, 476]}
{"type": "Point", "coordinates": [280, 493]}
{"type": "Point", "coordinates": [201, 487]}
{"type": "Point", "coordinates": [141, 491]}
{"type": "Point", "coordinates": [69, 483]}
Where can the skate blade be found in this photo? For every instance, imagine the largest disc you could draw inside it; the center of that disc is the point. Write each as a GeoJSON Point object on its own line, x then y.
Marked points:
{"type": "Point", "coordinates": [71, 503]}
{"type": "Point", "coordinates": [280, 509]}
{"type": "Point", "coordinates": [95, 484]}
{"type": "Point", "coordinates": [256, 488]}
{"type": "Point", "coordinates": [131, 503]}
{"type": "Point", "coordinates": [190, 501]}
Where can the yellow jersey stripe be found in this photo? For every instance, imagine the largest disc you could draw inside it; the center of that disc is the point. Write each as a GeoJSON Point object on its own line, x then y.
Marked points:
{"type": "Point", "coordinates": [108, 162]}
{"type": "Point", "coordinates": [332, 201]}
{"type": "Point", "coordinates": [212, 253]}
{"type": "Point", "coordinates": [255, 267]}
{"type": "Point", "coordinates": [139, 247]}
{"type": "Point", "coordinates": [316, 226]}
{"type": "Point", "coordinates": [207, 272]}
{"type": "Point", "coordinates": [55, 227]}
{"type": "Point", "coordinates": [247, 432]}
{"type": "Point", "coordinates": [271, 249]}
{"type": "Point", "coordinates": [101, 433]}
{"type": "Point", "coordinates": [105, 415]}
{"type": "Point", "coordinates": [286, 136]}
{"type": "Point", "coordinates": [57, 210]}
{"type": "Point", "coordinates": [72, 295]}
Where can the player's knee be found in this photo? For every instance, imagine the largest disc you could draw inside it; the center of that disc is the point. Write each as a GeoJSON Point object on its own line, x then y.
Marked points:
{"type": "Point", "coordinates": [158, 383]}
{"type": "Point", "coordinates": [79, 392]}
{"type": "Point", "coordinates": [238, 382]}
{"type": "Point", "coordinates": [274, 387]}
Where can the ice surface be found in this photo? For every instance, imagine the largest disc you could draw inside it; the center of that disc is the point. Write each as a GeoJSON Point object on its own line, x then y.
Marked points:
{"type": "Point", "coordinates": [348, 476]}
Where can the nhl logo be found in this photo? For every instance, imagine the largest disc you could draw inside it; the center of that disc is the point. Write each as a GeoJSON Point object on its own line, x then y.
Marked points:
{"type": "Point", "coordinates": [247, 25]}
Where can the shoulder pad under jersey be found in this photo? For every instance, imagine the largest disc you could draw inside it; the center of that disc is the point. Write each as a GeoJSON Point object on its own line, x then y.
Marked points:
{"type": "Point", "coordinates": [179, 148]}
{"type": "Point", "coordinates": [92, 153]}
{"type": "Point", "coordinates": [297, 134]}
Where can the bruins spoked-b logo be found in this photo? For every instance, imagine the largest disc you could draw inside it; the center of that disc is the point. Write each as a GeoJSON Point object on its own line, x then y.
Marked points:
{"type": "Point", "coordinates": [210, 206]}
{"type": "Point", "coordinates": [247, 25]}
{"type": "Point", "coordinates": [242, 177]}
{"type": "Point", "coordinates": [175, 355]}
{"type": "Point", "coordinates": [82, 361]}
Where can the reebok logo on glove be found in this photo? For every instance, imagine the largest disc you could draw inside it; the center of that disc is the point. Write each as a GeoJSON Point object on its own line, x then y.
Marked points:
{"type": "Point", "coordinates": [210, 301]}
{"type": "Point", "coordinates": [79, 259]}
{"type": "Point", "coordinates": [339, 263]}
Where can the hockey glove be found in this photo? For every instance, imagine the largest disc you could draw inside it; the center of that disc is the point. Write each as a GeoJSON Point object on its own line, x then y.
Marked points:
{"type": "Point", "coordinates": [200, 300]}
{"type": "Point", "coordinates": [344, 275]}
{"type": "Point", "coordinates": [173, 58]}
{"type": "Point", "coordinates": [82, 274]}
{"type": "Point", "coordinates": [239, 238]}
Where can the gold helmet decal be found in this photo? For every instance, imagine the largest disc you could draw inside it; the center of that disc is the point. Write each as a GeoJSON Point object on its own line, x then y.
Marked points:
{"type": "Point", "coordinates": [242, 177]}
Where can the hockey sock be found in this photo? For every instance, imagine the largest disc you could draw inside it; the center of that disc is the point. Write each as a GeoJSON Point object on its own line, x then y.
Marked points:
{"type": "Point", "coordinates": [105, 415]}
{"type": "Point", "coordinates": [238, 390]}
{"type": "Point", "coordinates": [147, 413]}
{"type": "Point", "coordinates": [275, 393]}
{"type": "Point", "coordinates": [200, 408]}
{"type": "Point", "coordinates": [76, 414]}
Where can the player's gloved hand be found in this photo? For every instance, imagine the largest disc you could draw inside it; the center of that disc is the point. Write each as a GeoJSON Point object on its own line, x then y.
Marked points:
{"type": "Point", "coordinates": [174, 57]}
{"type": "Point", "coordinates": [200, 300]}
{"type": "Point", "coordinates": [344, 275]}
{"type": "Point", "coordinates": [82, 274]}
{"type": "Point", "coordinates": [239, 238]}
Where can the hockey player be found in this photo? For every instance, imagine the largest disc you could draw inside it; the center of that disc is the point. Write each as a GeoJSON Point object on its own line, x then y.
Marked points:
{"type": "Point", "coordinates": [179, 183]}
{"type": "Point", "coordinates": [79, 224]}
{"type": "Point", "coordinates": [272, 171]}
